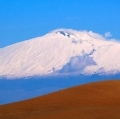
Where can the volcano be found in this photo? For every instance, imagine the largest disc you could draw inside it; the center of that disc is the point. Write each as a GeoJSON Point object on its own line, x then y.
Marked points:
{"type": "Point", "coordinates": [61, 52]}
{"type": "Point", "coordinates": [61, 59]}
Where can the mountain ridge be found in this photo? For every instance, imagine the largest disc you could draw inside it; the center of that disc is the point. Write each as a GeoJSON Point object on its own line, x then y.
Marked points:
{"type": "Point", "coordinates": [62, 51]}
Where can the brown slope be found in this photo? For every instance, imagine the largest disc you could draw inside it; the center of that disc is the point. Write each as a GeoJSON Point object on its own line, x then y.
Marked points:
{"type": "Point", "coordinates": [99, 100]}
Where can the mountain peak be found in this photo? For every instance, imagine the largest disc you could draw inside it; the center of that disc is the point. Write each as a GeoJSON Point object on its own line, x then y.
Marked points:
{"type": "Point", "coordinates": [62, 51]}
{"type": "Point", "coordinates": [86, 35]}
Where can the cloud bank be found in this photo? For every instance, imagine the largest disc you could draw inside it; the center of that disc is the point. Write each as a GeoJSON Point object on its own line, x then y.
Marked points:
{"type": "Point", "coordinates": [77, 64]}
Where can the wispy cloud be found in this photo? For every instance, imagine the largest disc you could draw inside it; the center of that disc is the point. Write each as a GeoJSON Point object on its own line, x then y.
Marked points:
{"type": "Point", "coordinates": [107, 34]}
{"type": "Point", "coordinates": [73, 18]}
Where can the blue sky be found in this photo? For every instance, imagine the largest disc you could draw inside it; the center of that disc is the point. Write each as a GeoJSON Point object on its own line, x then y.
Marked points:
{"type": "Point", "coordinates": [24, 19]}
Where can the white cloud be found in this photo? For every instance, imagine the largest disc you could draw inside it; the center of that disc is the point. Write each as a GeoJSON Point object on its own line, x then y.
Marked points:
{"type": "Point", "coordinates": [77, 63]}
{"type": "Point", "coordinates": [108, 34]}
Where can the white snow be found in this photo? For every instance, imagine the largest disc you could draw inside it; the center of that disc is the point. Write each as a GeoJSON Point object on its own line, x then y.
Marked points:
{"type": "Point", "coordinates": [61, 51]}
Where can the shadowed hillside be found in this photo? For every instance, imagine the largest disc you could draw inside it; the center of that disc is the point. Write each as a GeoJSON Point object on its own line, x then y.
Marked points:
{"type": "Point", "coordinates": [99, 100]}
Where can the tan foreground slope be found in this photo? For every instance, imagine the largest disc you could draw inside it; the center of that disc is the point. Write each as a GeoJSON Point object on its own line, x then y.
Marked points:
{"type": "Point", "coordinates": [99, 100]}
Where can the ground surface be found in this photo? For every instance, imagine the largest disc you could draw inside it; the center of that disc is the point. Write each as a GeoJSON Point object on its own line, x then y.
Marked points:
{"type": "Point", "coordinates": [99, 100]}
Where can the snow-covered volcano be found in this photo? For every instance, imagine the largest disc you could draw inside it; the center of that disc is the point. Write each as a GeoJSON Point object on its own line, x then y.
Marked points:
{"type": "Point", "coordinates": [62, 51]}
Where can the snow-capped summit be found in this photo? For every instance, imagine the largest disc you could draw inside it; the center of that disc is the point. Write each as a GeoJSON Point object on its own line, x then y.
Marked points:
{"type": "Point", "coordinates": [61, 51]}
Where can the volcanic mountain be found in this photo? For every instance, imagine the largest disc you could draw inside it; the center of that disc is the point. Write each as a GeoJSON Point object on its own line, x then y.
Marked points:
{"type": "Point", "coordinates": [99, 100]}
{"type": "Point", "coordinates": [60, 52]}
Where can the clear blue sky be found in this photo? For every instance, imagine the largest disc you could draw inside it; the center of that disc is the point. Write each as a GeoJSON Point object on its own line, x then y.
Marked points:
{"type": "Point", "coordinates": [24, 19]}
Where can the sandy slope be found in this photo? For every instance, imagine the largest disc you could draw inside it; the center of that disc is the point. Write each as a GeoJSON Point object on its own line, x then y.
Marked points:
{"type": "Point", "coordinates": [99, 100]}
